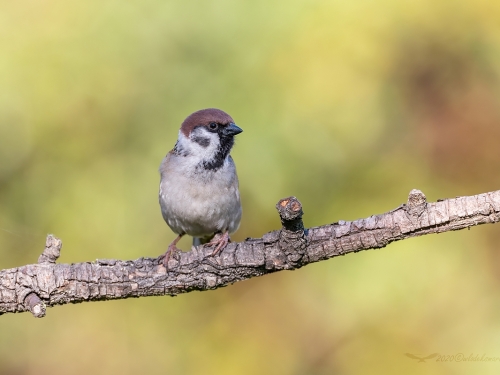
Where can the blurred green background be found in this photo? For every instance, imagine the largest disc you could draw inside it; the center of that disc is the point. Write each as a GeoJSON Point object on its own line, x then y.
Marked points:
{"type": "Point", "coordinates": [347, 105]}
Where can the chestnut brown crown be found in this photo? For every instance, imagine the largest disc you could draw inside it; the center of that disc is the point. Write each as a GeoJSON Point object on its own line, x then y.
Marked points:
{"type": "Point", "coordinates": [204, 117]}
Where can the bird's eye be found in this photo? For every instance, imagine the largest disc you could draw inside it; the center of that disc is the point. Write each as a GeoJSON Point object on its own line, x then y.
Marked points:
{"type": "Point", "coordinates": [212, 126]}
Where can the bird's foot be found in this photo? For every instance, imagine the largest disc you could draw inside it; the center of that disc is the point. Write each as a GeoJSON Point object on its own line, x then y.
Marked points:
{"type": "Point", "coordinates": [172, 249]}
{"type": "Point", "coordinates": [220, 241]}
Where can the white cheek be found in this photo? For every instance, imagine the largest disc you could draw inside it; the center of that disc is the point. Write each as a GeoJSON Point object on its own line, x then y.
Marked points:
{"type": "Point", "coordinates": [197, 150]}
{"type": "Point", "coordinates": [212, 148]}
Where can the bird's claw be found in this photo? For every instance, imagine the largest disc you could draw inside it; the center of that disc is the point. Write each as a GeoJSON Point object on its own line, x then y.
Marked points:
{"type": "Point", "coordinates": [220, 241]}
{"type": "Point", "coordinates": [172, 249]}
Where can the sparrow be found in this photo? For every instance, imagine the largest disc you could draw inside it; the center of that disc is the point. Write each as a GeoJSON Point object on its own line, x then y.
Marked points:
{"type": "Point", "coordinates": [199, 186]}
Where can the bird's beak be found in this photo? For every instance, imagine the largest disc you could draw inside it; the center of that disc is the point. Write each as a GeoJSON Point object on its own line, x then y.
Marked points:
{"type": "Point", "coordinates": [231, 130]}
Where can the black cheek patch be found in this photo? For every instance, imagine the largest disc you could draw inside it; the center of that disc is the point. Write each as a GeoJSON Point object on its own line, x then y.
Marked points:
{"type": "Point", "coordinates": [203, 142]}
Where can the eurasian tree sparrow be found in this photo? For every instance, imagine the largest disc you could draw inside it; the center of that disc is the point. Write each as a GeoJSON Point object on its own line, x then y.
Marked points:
{"type": "Point", "coordinates": [199, 187]}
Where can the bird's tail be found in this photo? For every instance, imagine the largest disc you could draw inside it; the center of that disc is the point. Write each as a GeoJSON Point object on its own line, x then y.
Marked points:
{"type": "Point", "coordinates": [201, 241]}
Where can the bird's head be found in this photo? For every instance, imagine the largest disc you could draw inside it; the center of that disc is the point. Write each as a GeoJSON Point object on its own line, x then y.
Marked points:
{"type": "Point", "coordinates": [208, 135]}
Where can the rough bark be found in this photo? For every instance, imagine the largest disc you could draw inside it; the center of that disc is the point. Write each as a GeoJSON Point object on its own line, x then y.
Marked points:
{"type": "Point", "coordinates": [36, 286]}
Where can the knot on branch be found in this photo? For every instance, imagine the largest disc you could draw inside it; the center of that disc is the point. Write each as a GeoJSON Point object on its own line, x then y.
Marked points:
{"type": "Point", "coordinates": [292, 239]}
{"type": "Point", "coordinates": [52, 250]}
{"type": "Point", "coordinates": [290, 211]}
{"type": "Point", "coordinates": [34, 304]}
{"type": "Point", "coordinates": [417, 203]}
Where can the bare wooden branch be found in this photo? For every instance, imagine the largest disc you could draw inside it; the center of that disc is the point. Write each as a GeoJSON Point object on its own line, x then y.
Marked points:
{"type": "Point", "coordinates": [52, 250]}
{"type": "Point", "coordinates": [36, 286]}
{"type": "Point", "coordinates": [35, 305]}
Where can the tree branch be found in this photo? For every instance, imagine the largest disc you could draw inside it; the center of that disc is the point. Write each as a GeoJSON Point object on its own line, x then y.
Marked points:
{"type": "Point", "coordinates": [36, 286]}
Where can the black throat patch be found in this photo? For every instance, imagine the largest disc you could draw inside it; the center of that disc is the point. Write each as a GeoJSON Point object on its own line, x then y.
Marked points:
{"type": "Point", "coordinates": [226, 143]}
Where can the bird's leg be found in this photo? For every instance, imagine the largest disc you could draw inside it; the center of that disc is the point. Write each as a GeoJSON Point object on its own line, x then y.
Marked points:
{"type": "Point", "coordinates": [171, 249]}
{"type": "Point", "coordinates": [220, 240]}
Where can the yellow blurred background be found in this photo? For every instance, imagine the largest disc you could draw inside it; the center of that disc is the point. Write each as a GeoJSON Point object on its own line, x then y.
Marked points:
{"type": "Point", "coordinates": [347, 105]}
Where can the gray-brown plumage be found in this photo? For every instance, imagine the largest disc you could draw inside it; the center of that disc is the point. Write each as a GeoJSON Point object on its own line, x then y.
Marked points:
{"type": "Point", "coordinates": [199, 187]}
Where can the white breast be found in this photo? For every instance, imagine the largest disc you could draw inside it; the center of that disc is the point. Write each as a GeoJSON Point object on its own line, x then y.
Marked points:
{"type": "Point", "coordinates": [199, 202]}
